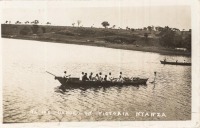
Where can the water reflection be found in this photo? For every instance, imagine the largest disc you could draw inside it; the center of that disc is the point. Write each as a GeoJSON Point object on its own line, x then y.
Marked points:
{"type": "Point", "coordinates": [65, 88]}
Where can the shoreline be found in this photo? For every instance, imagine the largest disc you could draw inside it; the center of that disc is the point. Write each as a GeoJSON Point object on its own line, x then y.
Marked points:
{"type": "Point", "coordinates": [152, 49]}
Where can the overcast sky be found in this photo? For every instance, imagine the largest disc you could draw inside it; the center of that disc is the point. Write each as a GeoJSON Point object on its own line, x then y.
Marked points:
{"type": "Point", "coordinates": [133, 14]}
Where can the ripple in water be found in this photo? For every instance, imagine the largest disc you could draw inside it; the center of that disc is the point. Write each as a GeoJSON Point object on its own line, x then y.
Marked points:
{"type": "Point", "coordinates": [31, 95]}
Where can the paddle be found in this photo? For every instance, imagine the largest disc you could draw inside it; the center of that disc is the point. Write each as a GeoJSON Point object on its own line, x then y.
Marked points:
{"type": "Point", "coordinates": [51, 73]}
{"type": "Point", "coordinates": [154, 78]}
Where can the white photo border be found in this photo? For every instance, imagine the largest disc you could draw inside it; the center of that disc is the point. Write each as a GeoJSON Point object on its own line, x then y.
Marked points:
{"type": "Point", "coordinates": [194, 122]}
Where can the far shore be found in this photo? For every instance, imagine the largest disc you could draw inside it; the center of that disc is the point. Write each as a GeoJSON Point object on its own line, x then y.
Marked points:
{"type": "Point", "coordinates": [153, 49]}
{"type": "Point", "coordinates": [137, 40]}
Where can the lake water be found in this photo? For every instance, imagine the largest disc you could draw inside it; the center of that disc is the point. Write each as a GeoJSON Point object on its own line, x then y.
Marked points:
{"type": "Point", "coordinates": [30, 94]}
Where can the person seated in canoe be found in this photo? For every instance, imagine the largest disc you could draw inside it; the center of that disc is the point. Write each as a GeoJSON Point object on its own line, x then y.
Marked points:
{"type": "Point", "coordinates": [110, 78]}
{"type": "Point", "coordinates": [91, 77]}
{"type": "Point", "coordinates": [96, 78]}
{"type": "Point", "coordinates": [120, 75]}
{"type": "Point", "coordinates": [176, 61]}
{"type": "Point", "coordinates": [105, 78]}
{"type": "Point", "coordinates": [100, 76]}
{"type": "Point", "coordinates": [85, 78]}
{"type": "Point", "coordinates": [165, 60]}
{"type": "Point", "coordinates": [120, 79]}
{"type": "Point", "coordinates": [81, 76]}
{"type": "Point", "coordinates": [65, 76]}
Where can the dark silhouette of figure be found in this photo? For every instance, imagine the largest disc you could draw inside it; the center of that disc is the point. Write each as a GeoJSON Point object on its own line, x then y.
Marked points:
{"type": "Point", "coordinates": [105, 78]}
{"type": "Point", "coordinates": [85, 78]}
{"type": "Point", "coordinates": [90, 77]}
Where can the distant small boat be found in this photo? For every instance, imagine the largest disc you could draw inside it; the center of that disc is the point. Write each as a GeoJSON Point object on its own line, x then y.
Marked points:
{"type": "Point", "coordinates": [176, 63]}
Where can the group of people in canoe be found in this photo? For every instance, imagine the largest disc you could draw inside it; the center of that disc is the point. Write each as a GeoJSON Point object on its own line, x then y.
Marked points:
{"type": "Point", "coordinates": [97, 77]}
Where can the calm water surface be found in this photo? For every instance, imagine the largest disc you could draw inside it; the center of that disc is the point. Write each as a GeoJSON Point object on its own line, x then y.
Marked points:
{"type": "Point", "coordinates": [31, 95]}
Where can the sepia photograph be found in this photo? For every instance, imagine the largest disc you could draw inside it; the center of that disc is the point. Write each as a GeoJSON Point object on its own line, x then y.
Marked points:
{"type": "Point", "coordinates": [92, 61]}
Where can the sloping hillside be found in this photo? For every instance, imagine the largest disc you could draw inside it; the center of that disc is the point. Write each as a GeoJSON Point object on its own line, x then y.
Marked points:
{"type": "Point", "coordinates": [142, 40]}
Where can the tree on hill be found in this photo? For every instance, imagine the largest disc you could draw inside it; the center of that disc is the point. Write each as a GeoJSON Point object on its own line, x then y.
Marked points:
{"type": "Point", "coordinates": [73, 24]}
{"type": "Point", "coordinates": [105, 24]}
{"type": "Point", "coordinates": [146, 35]}
{"type": "Point", "coordinates": [48, 23]}
{"type": "Point", "coordinates": [168, 37]}
{"type": "Point", "coordinates": [149, 28]}
{"type": "Point", "coordinates": [132, 29]}
{"type": "Point", "coordinates": [156, 28]}
{"type": "Point", "coordinates": [187, 42]}
{"type": "Point", "coordinates": [43, 29]}
{"type": "Point", "coordinates": [92, 26]}
{"type": "Point", "coordinates": [175, 29]}
{"type": "Point", "coordinates": [167, 28]}
{"type": "Point", "coordinates": [26, 22]}
{"type": "Point", "coordinates": [145, 28]}
{"type": "Point", "coordinates": [36, 21]}
{"type": "Point", "coordinates": [127, 28]}
{"type": "Point", "coordinates": [25, 31]}
{"type": "Point", "coordinates": [35, 29]}
{"type": "Point", "coordinates": [17, 22]}
{"type": "Point", "coordinates": [160, 29]}
{"type": "Point", "coordinates": [78, 22]}
{"type": "Point", "coordinates": [152, 27]}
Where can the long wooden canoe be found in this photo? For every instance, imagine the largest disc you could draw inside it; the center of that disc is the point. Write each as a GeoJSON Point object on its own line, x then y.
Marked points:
{"type": "Point", "coordinates": [176, 63]}
{"type": "Point", "coordinates": [76, 83]}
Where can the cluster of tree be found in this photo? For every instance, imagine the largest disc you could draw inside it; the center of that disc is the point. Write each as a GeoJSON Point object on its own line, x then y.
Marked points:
{"type": "Point", "coordinates": [25, 31]}
{"type": "Point", "coordinates": [170, 38]}
{"type": "Point", "coordinates": [105, 24]}
{"type": "Point", "coordinates": [78, 23]}
{"type": "Point", "coordinates": [8, 22]}
{"type": "Point", "coordinates": [26, 22]}
{"type": "Point", "coordinates": [34, 29]}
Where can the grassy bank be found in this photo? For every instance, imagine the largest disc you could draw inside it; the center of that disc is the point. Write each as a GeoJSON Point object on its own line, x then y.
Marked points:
{"type": "Point", "coordinates": [111, 38]}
